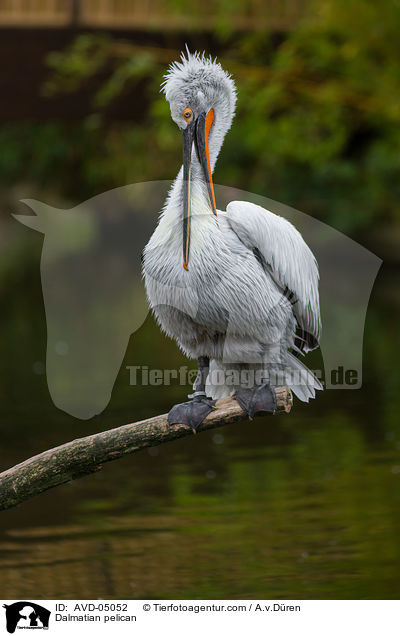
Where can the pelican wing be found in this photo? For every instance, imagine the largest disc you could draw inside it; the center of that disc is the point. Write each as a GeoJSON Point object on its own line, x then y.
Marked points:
{"type": "Point", "coordinates": [282, 251]}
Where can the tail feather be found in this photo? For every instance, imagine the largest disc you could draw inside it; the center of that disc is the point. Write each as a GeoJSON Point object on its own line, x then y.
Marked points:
{"type": "Point", "coordinates": [301, 380]}
{"type": "Point", "coordinates": [296, 376]}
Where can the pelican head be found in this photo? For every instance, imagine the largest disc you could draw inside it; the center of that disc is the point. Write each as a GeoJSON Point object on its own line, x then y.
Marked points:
{"type": "Point", "coordinates": [202, 99]}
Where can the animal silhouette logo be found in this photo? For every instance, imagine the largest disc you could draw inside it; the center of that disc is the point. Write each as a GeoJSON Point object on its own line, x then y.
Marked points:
{"type": "Point", "coordinates": [26, 615]}
{"type": "Point", "coordinates": [95, 301]}
{"type": "Point", "coordinates": [92, 289]}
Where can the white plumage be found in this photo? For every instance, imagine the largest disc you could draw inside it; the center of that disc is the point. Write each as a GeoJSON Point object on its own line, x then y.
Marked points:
{"type": "Point", "coordinates": [249, 298]}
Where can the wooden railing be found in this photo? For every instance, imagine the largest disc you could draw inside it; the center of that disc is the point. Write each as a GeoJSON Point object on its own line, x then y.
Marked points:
{"type": "Point", "coordinates": [21, 13]}
{"type": "Point", "coordinates": [149, 14]}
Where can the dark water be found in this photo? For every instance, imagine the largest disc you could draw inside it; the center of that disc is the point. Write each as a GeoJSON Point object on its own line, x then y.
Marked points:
{"type": "Point", "coordinates": [300, 506]}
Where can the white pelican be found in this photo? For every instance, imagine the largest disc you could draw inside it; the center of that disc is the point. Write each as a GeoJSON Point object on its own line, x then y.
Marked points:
{"type": "Point", "coordinates": [238, 289]}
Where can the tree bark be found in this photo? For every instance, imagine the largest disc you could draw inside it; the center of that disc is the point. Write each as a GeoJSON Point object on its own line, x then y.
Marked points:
{"type": "Point", "coordinates": [86, 455]}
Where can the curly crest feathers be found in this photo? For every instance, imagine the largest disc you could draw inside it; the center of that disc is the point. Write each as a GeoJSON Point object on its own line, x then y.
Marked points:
{"type": "Point", "coordinates": [197, 76]}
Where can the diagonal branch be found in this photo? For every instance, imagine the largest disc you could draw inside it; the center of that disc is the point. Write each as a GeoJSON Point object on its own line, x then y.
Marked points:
{"type": "Point", "coordinates": [86, 455]}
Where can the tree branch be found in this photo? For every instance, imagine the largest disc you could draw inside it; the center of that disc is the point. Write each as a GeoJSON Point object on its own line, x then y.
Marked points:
{"type": "Point", "coordinates": [86, 455]}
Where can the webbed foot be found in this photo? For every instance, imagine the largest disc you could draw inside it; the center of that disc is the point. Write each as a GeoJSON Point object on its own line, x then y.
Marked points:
{"type": "Point", "coordinates": [192, 413]}
{"type": "Point", "coordinates": [258, 399]}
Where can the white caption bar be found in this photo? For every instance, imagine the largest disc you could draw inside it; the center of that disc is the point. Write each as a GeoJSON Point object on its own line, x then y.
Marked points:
{"type": "Point", "coordinates": [175, 618]}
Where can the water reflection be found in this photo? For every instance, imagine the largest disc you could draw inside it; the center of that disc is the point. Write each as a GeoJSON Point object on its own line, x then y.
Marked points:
{"type": "Point", "coordinates": [304, 506]}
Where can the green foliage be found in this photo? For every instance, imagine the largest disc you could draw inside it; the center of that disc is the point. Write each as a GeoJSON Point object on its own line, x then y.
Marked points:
{"type": "Point", "coordinates": [324, 124]}
{"type": "Point", "coordinates": [86, 57]}
{"type": "Point", "coordinates": [317, 124]}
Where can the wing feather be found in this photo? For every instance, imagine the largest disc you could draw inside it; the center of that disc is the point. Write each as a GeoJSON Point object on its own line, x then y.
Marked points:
{"type": "Point", "coordinates": [279, 246]}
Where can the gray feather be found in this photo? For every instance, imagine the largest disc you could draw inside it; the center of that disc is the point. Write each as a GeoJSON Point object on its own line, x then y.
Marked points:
{"type": "Point", "coordinates": [252, 280]}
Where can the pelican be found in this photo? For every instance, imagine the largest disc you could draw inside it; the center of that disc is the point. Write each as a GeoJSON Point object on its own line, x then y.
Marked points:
{"type": "Point", "coordinates": [237, 289]}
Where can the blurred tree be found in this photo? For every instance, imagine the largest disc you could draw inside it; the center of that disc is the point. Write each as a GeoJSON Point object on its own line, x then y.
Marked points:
{"type": "Point", "coordinates": [317, 124]}
{"type": "Point", "coordinates": [323, 123]}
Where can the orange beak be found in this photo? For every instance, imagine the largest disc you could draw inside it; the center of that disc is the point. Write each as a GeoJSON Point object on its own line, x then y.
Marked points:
{"type": "Point", "coordinates": [198, 132]}
{"type": "Point", "coordinates": [203, 127]}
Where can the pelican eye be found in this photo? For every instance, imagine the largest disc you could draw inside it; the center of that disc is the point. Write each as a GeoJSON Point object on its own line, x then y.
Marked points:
{"type": "Point", "coordinates": [187, 114]}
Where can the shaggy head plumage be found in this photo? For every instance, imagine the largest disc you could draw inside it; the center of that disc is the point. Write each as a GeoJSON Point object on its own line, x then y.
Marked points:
{"type": "Point", "coordinates": [200, 83]}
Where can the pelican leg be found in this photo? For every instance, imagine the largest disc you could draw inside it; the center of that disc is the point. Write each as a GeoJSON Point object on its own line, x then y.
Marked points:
{"type": "Point", "coordinates": [196, 410]}
{"type": "Point", "coordinates": [257, 400]}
